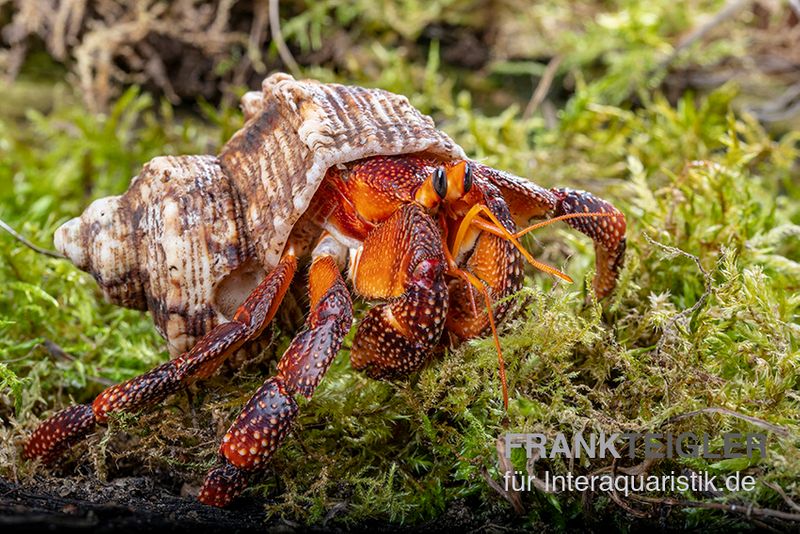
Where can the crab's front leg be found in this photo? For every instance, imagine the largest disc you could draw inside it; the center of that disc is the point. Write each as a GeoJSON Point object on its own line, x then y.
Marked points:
{"type": "Point", "coordinates": [401, 262]}
{"type": "Point", "coordinates": [267, 416]}
{"type": "Point", "coordinates": [528, 201]}
{"type": "Point", "coordinates": [59, 432]}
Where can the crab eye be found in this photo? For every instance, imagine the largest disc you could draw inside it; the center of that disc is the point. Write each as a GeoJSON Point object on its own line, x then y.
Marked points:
{"type": "Point", "coordinates": [440, 182]}
{"type": "Point", "coordinates": [467, 178]}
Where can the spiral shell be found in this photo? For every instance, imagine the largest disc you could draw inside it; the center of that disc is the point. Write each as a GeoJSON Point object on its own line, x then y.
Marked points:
{"type": "Point", "coordinates": [193, 235]}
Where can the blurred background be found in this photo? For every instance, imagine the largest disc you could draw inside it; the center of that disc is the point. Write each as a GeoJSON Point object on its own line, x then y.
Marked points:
{"type": "Point", "coordinates": [685, 114]}
{"type": "Point", "coordinates": [498, 50]}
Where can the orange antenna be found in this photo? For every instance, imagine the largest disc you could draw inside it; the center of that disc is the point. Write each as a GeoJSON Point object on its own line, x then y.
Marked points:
{"type": "Point", "coordinates": [564, 217]}
{"type": "Point", "coordinates": [501, 362]}
{"type": "Point", "coordinates": [453, 266]}
{"type": "Point", "coordinates": [499, 230]}
{"type": "Point", "coordinates": [496, 228]}
{"type": "Point", "coordinates": [472, 280]}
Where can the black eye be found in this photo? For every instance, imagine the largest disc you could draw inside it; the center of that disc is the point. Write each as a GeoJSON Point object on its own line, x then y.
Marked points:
{"type": "Point", "coordinates": [467, 178]}
{"type": "Point", "coordinates": [440, 182]}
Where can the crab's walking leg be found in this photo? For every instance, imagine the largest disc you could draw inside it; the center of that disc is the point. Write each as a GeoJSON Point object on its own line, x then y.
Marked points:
{"type": "Point", "coordinates": [267, 416]}
{"type": "Point", "coordinates": [62, 430]}
{"type": "Point", "coordinates": [402, 262]}
{"type": "Point", "coordinates": [528, 201]}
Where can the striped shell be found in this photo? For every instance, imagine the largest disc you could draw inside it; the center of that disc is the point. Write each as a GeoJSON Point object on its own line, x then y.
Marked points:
{"type": "Point", "coordinates": [193, 235]}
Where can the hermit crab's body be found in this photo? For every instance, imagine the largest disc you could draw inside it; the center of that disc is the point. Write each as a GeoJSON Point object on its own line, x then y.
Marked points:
{"type": "Point", "coordinates": [193, 235]}
{"type": "Point", "coordinates": [360, 182]}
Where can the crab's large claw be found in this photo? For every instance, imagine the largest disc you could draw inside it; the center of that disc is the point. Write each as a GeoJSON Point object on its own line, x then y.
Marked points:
{"type": "Point", "coordinates": [527, 201]}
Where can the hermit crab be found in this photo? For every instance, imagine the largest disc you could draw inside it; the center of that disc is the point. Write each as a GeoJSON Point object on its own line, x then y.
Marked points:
{"type": "Point", "coordinates": [355, 180]}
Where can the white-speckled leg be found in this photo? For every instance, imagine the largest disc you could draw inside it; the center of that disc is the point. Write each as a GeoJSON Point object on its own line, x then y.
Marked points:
{"type": "Point", "coordinates": [401, 262]}
{"type": "Point", "coordinates": [267, 417]}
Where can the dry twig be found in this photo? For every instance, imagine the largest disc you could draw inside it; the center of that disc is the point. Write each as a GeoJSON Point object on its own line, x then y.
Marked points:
{"type": "Point", "coordinates": [543, 87]}
{"type": "Point", "coordinates": [510, 494]}
{"type": "Point", "coordinates": [731, 8]}
{"type": "Point", "coordinates": [277, 36]}
{"type": "Point", "coordinates": [779, 490]}
{"type": "Point", "coordinates": [724, 411]}
{"type": "Point", "coordinates": [732, 508]}
{"type": "Point", "coordinates": [35, 248]}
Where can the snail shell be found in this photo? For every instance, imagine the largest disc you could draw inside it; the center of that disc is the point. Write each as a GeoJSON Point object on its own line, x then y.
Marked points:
{"type": "Point", "coordinates": [193, 235]}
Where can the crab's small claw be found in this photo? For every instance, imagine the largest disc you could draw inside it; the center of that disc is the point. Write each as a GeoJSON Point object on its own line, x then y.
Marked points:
{"type": "Point", "coordinates": [57, 434]}
{"type": "Point", "coordinates": [401, 262]}
{"type": "Point", "coordinates": [498, 264]}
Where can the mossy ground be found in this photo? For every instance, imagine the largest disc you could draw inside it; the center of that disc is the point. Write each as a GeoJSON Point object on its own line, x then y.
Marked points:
{"type": "Point", "coordinates": [705, 315]}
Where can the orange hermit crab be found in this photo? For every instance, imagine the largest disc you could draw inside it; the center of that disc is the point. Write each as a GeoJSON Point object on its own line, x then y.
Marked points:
{"type": "Point", "coordinates": [351, 178]}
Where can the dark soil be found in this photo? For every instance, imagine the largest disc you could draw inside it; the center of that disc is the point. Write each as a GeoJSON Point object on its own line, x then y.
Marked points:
{"type": "Point", "coordinates": [122, 505]}
{"type": "Point", "coordinates": [138, 504]}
